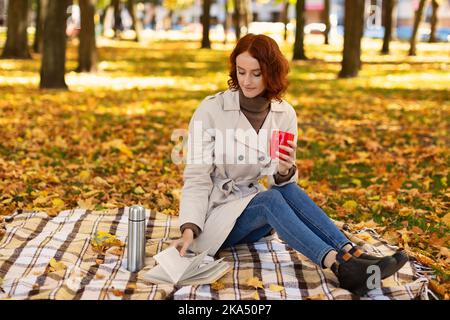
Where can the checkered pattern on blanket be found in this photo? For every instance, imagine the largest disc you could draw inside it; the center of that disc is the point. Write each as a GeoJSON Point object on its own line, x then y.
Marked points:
{"type": "Point", "coordinates": [34, 238]}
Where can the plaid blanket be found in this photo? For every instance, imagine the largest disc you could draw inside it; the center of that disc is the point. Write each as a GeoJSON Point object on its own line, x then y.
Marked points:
{"type": "Point", "coordinates": [33, 238]}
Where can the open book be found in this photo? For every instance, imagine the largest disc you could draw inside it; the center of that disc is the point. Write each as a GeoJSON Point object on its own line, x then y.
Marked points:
{"type": "Point", "coordinates": [175, 269]}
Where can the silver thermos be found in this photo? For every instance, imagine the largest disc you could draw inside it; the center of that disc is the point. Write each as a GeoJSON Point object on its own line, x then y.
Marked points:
{"type": "Point", "coordinates": [136, 239]}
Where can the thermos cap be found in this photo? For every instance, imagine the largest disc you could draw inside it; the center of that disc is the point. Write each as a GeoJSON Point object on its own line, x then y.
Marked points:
{"type": "Point", "coordinates": [137, 213]}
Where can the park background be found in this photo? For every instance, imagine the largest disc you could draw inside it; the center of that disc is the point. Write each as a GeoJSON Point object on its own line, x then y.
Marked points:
{"type": "Point", "coordinates": [91, 92]}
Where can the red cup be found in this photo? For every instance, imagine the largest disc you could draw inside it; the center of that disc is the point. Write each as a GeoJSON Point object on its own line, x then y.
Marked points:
{"type": "Point", "coordinates": [279, 138]}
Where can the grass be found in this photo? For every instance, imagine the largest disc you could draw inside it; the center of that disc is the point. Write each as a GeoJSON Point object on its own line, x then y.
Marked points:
{"type": "Point", "coordinates": [380, 139]}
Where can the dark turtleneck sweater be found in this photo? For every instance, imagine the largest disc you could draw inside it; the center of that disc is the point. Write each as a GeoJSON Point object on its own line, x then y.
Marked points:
{"type": "Point", "coordinates": [255, 110]}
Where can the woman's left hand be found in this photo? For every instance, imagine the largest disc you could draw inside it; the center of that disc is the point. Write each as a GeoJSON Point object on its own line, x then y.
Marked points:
{"type": "Point", "coordinates": [285, 162]}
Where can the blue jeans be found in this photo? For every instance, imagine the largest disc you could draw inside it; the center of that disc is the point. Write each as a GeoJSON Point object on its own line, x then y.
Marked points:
{"type": "Point", "coordinates": [296, 219]}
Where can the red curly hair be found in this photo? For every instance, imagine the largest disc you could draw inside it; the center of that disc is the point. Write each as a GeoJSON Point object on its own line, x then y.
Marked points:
{"type": "Point", "coordinates": [274, 66]}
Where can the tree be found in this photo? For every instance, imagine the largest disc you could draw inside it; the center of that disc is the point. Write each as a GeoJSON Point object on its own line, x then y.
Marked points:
{"type": "Point", "coordinates": [417, 19]}
{"type": "Point", "coordinates": [326, 21]}
{"type": "Point", "coordinates": [206, 19]}
{"type": "Point", "coordinates": [388, 24]}
{"type": "Point", "coordinates": [434, 19]}
{"type": "Point", "coordinates": [16, 46]}
{"type": "Point", "coordinates": [299, 50]}
{"type": "Point", "coordinates": [226, 21]}
{"type": "Point", "coordinates": [54, 45]}
{"type": "Point", "coordinates": [40, 18]}
{"type": "Point", "coordinates": [87, 50]}
{"type": "Point", "coordinates": [353, 31]}
{"type": "Point", "coordinates": [237, 18]}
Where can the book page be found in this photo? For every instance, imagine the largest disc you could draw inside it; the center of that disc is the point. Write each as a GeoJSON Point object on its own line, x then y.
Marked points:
{"type": "Point", "coordinates": [157, 275]}
{"type": "Point", "coordinates": [172, 263]}
{"type": "Point", "coordinates": [208, 276]}
{"type": "Point", "coordinates": [201, 269]}
{"type": "Point", "coordinates": [195, 262]}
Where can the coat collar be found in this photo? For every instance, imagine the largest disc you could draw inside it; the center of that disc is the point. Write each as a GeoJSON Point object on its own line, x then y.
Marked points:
{"type": "Point", "coordinates": [231, 102]}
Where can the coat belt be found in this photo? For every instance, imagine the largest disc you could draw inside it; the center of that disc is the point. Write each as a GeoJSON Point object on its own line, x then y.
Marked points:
{"type": "Point", "coordinates": [229, 185]}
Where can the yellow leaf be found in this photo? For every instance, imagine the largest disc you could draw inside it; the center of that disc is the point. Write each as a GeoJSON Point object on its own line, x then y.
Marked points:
{"type": "Point", "coordinates": [132, 286]}
{"type": "Point", "coordinates": [56, 265]}
{"type": "Point", "coordinates": [86, 204]}
{"type": "Point", "coordinates": [275, 287]}
{"type": "Point", "coordinates": [255, 295]}
{"type": "Point", "coordinates": [100, 182]}
{"type": "Point", "coordinates": [254, 282]}
{"type": "Point", "coordinates": [139, 190]}
{"type": "Point", "coordinates": [84, 175]}
{"type": "Point", "coordinates": [350, 205]}
{"type": "Point", "coordinates": [218, 285]}
{"type": "Point", "coordinates": [40, 200]}
{"type": "Point", "coordinates": [404, 212]}
{"type": "Point", "coordinates": [319, 296]}
{"type": "Point", "coordinates": [57, 203]}
{"type": "Point", "coordinates": [446, 219]}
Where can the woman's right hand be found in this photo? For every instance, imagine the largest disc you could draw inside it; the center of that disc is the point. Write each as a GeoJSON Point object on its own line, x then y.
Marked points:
{"type": "Point", "coordinates": [184, 242]}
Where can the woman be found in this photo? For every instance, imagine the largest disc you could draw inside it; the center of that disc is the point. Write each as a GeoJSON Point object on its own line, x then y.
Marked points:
{"type": "Point", "coordinates": [223, 203]}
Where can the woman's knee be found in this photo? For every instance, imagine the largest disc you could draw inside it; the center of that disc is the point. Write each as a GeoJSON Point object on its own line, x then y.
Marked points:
{"type": "Point", "coordinates": [271, 195]}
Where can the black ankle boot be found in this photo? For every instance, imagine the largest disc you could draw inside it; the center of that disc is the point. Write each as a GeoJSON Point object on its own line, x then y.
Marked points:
{"type": "Point", "coordinates": [353, 274]}
{"type": "Point", "coordinates": [400, 256]}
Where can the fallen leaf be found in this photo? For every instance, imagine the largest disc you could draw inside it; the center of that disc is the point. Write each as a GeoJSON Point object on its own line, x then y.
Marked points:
{"type": "Point", "coordinates": [254, 282]}
{"type": "Point", "coordinates": [275, 287]}
{"type": "Point", "coordinates": [56, 265]}
{"type": "Point", "coordinates": [99, 261]}
{"type": "Point", "coordinates": [319, 296]}
{"type": "Point", "coordinates": [255, 295]}
{"type": "Point", "coordinates": [99, 276]}
{"type": "Point", "coordinates": [446, 219]}
{"type": "Point", "coordinates": [350, 205]}
{"type": "Point", "coordinates": [436, 287]}
{"type": "Point", "coordinates": [132, 286]}
{"type": "Point", "coordinates": [218, 285]}
{"type": "Point", "coordinates": [139, 190]}
{"type": "Point", "coordinates": [115, 251]}
{"type": "Point", "coordinates": [116, 292]}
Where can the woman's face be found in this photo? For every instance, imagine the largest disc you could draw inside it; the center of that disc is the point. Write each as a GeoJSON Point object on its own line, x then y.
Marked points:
{"type": "Point", "coordinates": [249, 75]}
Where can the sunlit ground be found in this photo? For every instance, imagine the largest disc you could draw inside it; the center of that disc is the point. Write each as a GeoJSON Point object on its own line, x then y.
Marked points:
{"type": "Point", "coordinates": [372, 150]}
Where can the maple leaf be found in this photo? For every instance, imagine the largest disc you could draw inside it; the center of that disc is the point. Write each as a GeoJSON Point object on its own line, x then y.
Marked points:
{"type": "Point", "coordinates": [254, 282]}
{"type": "Point", "coordinates": [275, 287]}
{"type": "Point", "coordinates": [55, 266]}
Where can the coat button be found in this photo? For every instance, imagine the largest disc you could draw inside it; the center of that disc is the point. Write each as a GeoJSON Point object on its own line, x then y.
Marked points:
{"type": "Point", "coordinates": [241, 157]}
{"type": "Point", "coordinates": [251, 185]}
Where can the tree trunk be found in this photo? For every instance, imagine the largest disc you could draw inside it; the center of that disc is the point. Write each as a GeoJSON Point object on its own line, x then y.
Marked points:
{"type": "Point", "coordinates": [87, 50]}
{"type": "Point", "coordinates": [299, 50]}
{"type": "Point", "coordinates": [16, 46]}
{"type": "Point", "coordinates": [285, 18]}
{"type": "Point", "coordinates": [117, 27]}
{"type": "Point", "coordinates": [237, 20]}
{"type": "Point", "coordinates": [54, 45]}
{"type": "Point", "coordinates": [417, 19]}
{"type": "Point", "coordinates": [326, 21]}
{"type": "Point", "coordinates": [38, 28]}
{"type": "Point", "coordinates": [433, 22]}
{"type": "Point", "coordinates": [390, 4]}
{"type": "Point", "coordinates": [206, 44]}
{"type": "Point", "coordinates": [353, 31]}
{"type": "Point", "coordinates": [135, 25]}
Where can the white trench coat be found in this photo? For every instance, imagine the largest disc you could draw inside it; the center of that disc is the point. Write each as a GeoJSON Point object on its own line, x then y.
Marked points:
{"type": "Point", "coordinates": [217, 189]}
